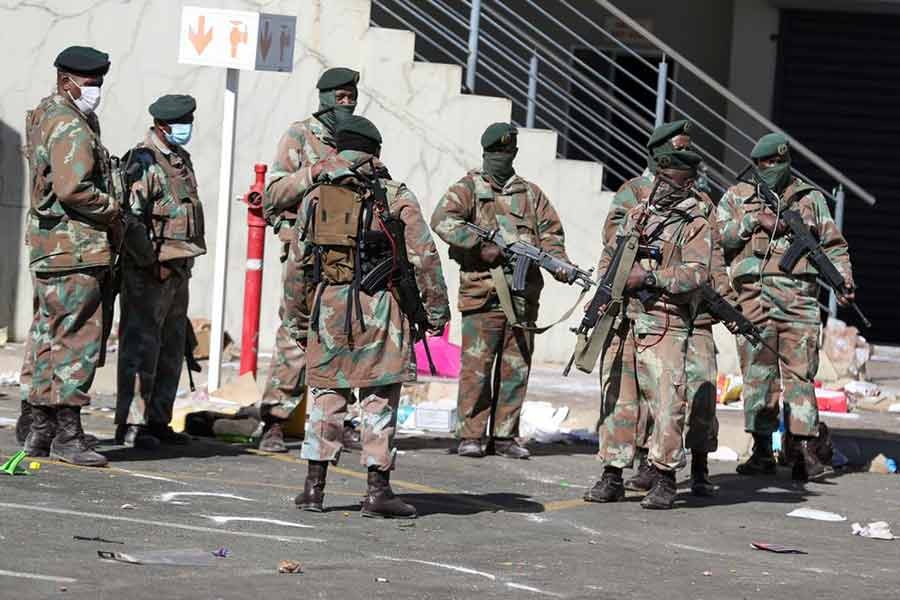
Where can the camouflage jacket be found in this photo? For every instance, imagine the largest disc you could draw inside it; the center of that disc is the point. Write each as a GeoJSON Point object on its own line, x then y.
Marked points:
{"type": "Point", "coordinates": [764, 290]}
{"type": "Point", "coordinates": [383, 353]}
{"type": "Point", "coordinates": [303, 145]}
{"type": "Point", "coordinates": [167, 194]}
{"type": "Point", "coordinates": [521, 211]}
{"type": "Point", "coordinates": [683, 235]}
{"type": "Point", "coordinates": [71, 201]}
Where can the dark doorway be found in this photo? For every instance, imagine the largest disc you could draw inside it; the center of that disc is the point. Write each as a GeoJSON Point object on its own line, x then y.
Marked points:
{"type": "Point", "coordinates": [837, 91]}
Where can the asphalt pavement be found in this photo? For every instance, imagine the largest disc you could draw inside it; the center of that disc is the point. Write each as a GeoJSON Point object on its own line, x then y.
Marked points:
{"type": "Point", "coordinates": [488, 528]}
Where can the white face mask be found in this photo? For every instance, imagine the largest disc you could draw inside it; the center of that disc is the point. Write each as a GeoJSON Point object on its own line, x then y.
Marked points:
{"type": "Point", "coordinates": [89, 99]}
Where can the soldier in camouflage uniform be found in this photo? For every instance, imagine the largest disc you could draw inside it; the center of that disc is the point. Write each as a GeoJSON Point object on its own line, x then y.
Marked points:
{"type": "Point", "coordinates": [295, 166]}
{"type": "Point", "coordinates": [165, 234]}
{"type": "Point", "coordinates": [497, 348]}
{"type": "Point", "coordinates": [783, 305]}
{"type": "Point", "coordinates": [72, 220]}
{"type": "Point", "coordinates": [701, 425]}
{"type": "Point", "coordinates": [358, 335]}
{"type": "Point", "coordinates": [644, 360]}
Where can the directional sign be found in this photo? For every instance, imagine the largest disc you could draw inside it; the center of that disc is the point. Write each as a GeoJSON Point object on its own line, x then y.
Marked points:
{"type": "Point", "coordinates": [218, 38]}
{"type": "Point", "coordinates": [275, 49]}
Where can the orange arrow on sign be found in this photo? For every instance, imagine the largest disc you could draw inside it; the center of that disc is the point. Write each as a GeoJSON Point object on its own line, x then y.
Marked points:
{"type": "Point", "coordinates": [265, 41]}
{"type": "Point", "coordinates": [199, 39]}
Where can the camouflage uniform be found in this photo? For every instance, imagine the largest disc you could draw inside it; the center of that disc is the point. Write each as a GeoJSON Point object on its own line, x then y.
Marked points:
{"type": "Point", "coordinates": [783, 305]}
{"type": "Point", "coordinates": [303, 145]}
{"type": "Point", "coordinates": [154, 296]}
{"type": "Point", "coordinates": [645, 358]}
{"type": "Point", "coordinates": [378, 359]}
{"type": "Point", "coordinates": [522, 212]}
{"type": "Point", "coordinates": [701, 425]}
{"type": "Point", "coordinates": [70, 255]}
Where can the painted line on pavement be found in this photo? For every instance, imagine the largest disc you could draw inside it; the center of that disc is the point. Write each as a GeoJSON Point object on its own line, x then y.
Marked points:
{"type": "Point", "coordinates": [169, 524]}
{"type": "Point", "coordinates": [38, 576]}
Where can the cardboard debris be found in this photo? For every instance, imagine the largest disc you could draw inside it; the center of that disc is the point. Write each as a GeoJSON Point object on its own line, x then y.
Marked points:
{"type": "Point", "coordinates": [227, 400]}
{"type": "Point", "coordinates": [846, 351]}
{"type": "Point", "coordinates": [203, 332]}
{"type": "Point", "coordinates": [883, 465]}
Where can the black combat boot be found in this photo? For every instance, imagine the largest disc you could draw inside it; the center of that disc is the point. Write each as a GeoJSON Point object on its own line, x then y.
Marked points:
{"type": "Point", "coordinates": [662, 495]}
{"type": "Point", "coordinates": [609, 488]}
{"type": "Point", "coordinates": [807, 463]}
{"type": "Point", "coordinates": [314, 487]}
{"type": "Point", "coordinates": [700, 482]}
{"type": "Point", "coordinates": [380, 500]}
{"type": "Point", "coordinates": [168, 436]}
{"type": "Point", "coordinates": [642, 481]}
{"type": "Point", "coordinates": [23, 423]}
{"type": "Point", "coordinates": [471, 448]}
{"type": "Point", "coordinates": [510, 448]}
{"type": "Point", "coordinates": [136, 436]}
{"type": "Point", "coordinates": [762, 461]}
{"type": "Point", "coordinates": [69, 444]}
{"type": "Point", "coordinates": [272, 439]}
{"type": "Point", "coordinates": [43, 428]}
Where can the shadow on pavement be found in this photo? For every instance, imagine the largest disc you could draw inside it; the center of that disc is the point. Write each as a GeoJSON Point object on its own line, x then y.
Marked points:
{"type": "Point", "coordinates": [739, 489]}
{"type": "Point", "coordinates": [198, 448]}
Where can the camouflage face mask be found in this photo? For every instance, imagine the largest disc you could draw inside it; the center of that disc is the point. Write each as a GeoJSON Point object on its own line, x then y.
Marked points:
{"type": "Point", "coordinates": [778, 176]}
{"type": "Point", "coordinates": [337, 113]}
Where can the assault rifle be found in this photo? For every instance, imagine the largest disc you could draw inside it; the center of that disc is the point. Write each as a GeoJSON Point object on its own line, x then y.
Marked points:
{"type": "Point", "coordinates": [397, 268]}
{"type": "Point", "coordinates": [603, 296]}
{"type": "Point", "coordinates": [733, 319]}
{"type": "Point", "coordinates": [803, 243]}
{"type": "Point", "coordinates": [525, 255]}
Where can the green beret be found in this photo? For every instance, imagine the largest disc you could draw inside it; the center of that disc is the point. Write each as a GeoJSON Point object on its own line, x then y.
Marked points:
{"type": "Point", "coordinates": [82, 60]}
{"type": "Point", "coordinates": [172, 107]}
{"type": "Point", "coordinates": [360, 126]}
{"type": "Point", "coordinates": [499, 133]}
{"type": "Point", "coordinates": [771, 144]}
{"type": "Point", "coordinates": [667, 131]}
{"type": "Point", "coordinates": [337, 78]}
{"type": "Point", "coordinates": [678, 159]}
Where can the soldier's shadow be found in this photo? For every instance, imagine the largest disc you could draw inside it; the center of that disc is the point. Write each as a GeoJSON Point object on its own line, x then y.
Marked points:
{"type": "Point", "coordinates": [739, 489]}
{"type": "Point", "coordinates": [463, 504]}
{"type": "Point", "coordinates": [198, 448]}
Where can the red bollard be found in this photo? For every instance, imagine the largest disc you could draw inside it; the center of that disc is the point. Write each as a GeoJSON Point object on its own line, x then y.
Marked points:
{"type": "Point", "coordinates": [256, 246]}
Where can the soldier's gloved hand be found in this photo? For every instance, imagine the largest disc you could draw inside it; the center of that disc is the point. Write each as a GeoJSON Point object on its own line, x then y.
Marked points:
{"type": "Point", "coordinates": [561, 274]}
{"type": "Point", "coordinates": [767, 220]}
{"type": "Point", "coordinates": [636, 278]}
{"type": "Point", "coordinates": [847, 297]}
{"type": "Point", "coordinates": [490, 254]}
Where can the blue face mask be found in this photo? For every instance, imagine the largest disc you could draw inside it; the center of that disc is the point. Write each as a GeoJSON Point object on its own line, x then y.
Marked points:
{"type": "Point", "coordinates": [180, 134]}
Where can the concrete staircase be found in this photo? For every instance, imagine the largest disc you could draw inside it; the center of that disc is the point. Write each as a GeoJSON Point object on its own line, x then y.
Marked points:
{"type": "Point", "coordinates": [432, 134]}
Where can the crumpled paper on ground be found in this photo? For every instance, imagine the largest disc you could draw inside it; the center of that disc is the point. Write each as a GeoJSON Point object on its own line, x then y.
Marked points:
{"type": "Point", "coordinates": [816, 515]}
{"type": "Point", "coordinates": [879, 530]}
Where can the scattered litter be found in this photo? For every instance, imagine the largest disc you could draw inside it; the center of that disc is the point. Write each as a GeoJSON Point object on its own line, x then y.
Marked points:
{"type": "Point", "coordinates": [222, 552]}
{"type": "Point", "coordinates": [724, 454]}
{"type": "Point", "coordinates": [407, 524]}
{"type": "Point", "coordinates": [4, 421]}
{"type": "Point", "coordinates": [564, 484]}
{"type": "Point", "coordinates": [11, 466]}
{"type": "Point", "coordinates": [169, 496]}
{"type": "Point", "coordinates": [182, 558]}
{"type": "Point", "coordinates": [883, 465]}
{"type": "Point", "coordinates": [879, 530]}
{"type": "Point", "coordinates": [382, 580]}
{"type": "Point", "coordinates": [542, 422]}
{"type": "Point", "coordinates": [9, 378]}
{"type": "Point", "coordinates": [707, 573]}
{"type": "Point", "coordinates": [34, 466]}
{"type": "Point", "coordinates": [862, 388]}
{"type": "Point", "coordinates": [96, 538]}
{"type": "Point", "coordinates": [831, 400]}
{"type": "Point", "coordinates": [816, 515]}
{"type": "Point", "coordinates": [728, 388]}
{"type": "Point", "coordinates": [776, 548]}
{"type": "Point", "coordinates": [128, 507]}
{"type": "Point", "coordinates": [289, 566]}
{"type": "Point", "coordinates": [221, 520]}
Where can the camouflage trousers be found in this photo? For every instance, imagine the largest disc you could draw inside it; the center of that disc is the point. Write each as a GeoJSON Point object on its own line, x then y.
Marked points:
{"type": "Point", "coordinates": [325, 424]}
{"type": "Point", "coordinates": [648, 370]}
{"type": "Point", "coordinates": [27, 371]}
{"type": "Point", "coordinates": [701, 428]}
{"type": "Point", "coordinates": [490, 345]}
{"type": "Point", "coordinates": [285, 384]}
{"type": "Point", "coordinates": [762, 370]}
{"type": "Point", "coordinates": [152, 336]}
{"type": "Point", "coordinates": [66, 337]}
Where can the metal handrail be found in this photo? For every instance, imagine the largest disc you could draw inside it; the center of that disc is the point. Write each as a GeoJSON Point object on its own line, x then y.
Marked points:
{"type": "Point", "coordinates": [802, 149]}
{"type": "Point", "coordinates": [505, 75]}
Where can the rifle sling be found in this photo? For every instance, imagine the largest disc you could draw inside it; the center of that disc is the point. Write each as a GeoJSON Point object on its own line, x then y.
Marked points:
{"type": "Point", "coordinates": [588, 350]}
{"type": "Point", "coordinates": [504, 295]}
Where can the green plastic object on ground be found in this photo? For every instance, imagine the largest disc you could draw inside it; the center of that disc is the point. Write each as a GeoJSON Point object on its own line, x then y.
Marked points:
{"type": "Point", "coordinates": [11, 467]}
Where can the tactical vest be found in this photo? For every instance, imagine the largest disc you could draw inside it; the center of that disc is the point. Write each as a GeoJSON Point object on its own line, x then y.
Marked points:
{"type": "Point", "coordinates": [178, 225]}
